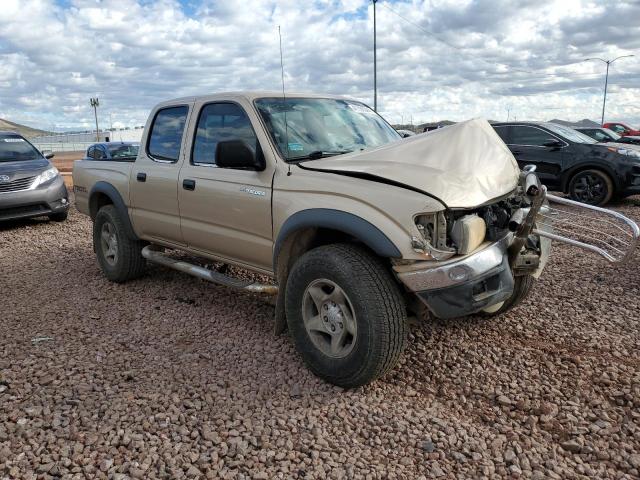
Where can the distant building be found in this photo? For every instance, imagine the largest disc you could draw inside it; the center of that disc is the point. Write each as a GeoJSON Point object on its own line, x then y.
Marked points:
{"type": "Point", "coordinates": [78, 141]}
{"type": "Point", "coordinates": [115, 135]}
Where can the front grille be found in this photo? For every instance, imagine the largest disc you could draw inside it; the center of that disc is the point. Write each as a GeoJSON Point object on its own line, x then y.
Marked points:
{"type": "Point", "coordinates": [17, 185]}
{"type": "Point", "coordinates": [26, 210]}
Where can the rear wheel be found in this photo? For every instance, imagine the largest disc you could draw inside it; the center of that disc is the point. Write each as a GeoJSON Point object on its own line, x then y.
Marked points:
{"type": "Point", "coordinates": [119, 256]}
{"type": "Point", "coordinates": [346, 314]}
{"type": "Point", "coordinates": [592, 187]}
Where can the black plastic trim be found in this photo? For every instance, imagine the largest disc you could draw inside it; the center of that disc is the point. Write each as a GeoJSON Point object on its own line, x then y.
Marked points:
{"type": "Point", "coordinates": [460, 300]}
{"type": "Point", "coordinates": [344, 222]}
{"type": "Point", "coordinates": [111, 192]}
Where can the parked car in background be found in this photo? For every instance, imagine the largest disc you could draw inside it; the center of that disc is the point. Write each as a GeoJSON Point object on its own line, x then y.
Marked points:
{"type": "Point", "coordinates": [622, 129]}
{"type": "Point", "coordinates": [29, 185]}
{"type": "Point", "coordinates": [569, 161]}
{"type": "Point", "coordinates": [605, 135]}
{"type": "Point", "coordinates": [119, 151]}
{"type": "Point", "coordinates": [406, 133]}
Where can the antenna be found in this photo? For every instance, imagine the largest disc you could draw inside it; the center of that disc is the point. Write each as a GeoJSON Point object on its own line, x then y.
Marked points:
{"type": "Point", "coordinates": [284, 103]}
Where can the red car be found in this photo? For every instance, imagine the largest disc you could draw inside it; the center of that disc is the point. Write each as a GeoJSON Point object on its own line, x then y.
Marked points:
{"type": "Point", "coordinates": [621, 129]}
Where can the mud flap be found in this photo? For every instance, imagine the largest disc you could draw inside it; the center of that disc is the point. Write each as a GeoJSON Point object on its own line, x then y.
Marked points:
{"type": "Point", "coordinates": [280, 323]}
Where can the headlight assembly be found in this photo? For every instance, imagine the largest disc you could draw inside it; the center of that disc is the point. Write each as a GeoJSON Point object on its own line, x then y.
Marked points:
{"type": "Point", "coordinates": [46, 176]}
{"type": "Point", "coordinates": [625, 151]}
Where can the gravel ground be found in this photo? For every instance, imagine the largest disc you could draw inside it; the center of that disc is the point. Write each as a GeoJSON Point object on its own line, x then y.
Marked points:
{"type": "Point", "coordinates": [169, 377]}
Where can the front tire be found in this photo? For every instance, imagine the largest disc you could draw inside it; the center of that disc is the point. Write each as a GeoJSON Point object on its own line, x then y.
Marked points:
{"type": "Point", "coordinates": [346, 314]}
{"type": "Point", "coordinates": [119, 256]}
{"type": "Point", "coordinates": [522, 286]}
{"type": "Point", "coordinates": [592, 187]}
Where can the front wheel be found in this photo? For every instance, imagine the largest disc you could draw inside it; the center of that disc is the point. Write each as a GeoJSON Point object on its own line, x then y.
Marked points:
{"type": "Point", "coordinates": [346, 314]}
{"type": "Point", "coordinates": [592, 187]}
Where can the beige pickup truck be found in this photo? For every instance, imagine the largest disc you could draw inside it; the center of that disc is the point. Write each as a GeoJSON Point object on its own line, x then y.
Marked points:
{"type": "Point", "coordinates": [358, 228]}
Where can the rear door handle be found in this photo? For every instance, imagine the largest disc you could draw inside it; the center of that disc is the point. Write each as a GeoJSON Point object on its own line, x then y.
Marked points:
{"type": "Point", "coordinates": [141, 177]}
{"type": "Point", "coordinates": [188, 184]}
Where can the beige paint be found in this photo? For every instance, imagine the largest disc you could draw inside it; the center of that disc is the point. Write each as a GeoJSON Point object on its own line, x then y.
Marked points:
{"type": "Point", "coordinates": [221, 220]}
{"type": "Point", "coordinates": [464, 165]}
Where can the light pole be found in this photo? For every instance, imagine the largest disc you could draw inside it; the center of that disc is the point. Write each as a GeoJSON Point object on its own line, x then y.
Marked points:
{"type": "Point", "coordinates": [375, 62]}
{"type": "Point", "coordinates": [95, 103]}
{"type": "Point", "coordinates": [606, 79]}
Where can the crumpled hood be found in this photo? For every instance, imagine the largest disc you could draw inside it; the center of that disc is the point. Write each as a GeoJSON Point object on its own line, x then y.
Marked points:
{"type": "Point", "coordinates": [463, 165]}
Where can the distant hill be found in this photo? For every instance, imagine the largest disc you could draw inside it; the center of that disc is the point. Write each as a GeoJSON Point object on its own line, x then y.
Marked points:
{"type": "Point", "coordinates": [23, 130]}
{"type": "Point", "coordinates": [585, 122]}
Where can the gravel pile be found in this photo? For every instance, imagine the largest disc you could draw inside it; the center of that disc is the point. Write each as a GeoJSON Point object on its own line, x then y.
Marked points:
{"type": "Point", "coordinates": [170, 377]}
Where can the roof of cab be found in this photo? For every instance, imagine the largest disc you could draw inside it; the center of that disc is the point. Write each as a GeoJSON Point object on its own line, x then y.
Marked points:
{"type": "Point", "coordinates": [248, 95]}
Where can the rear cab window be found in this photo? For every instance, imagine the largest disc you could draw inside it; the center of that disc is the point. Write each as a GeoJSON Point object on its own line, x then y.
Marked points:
{"type": "Point", "coordinates": [165, 137]}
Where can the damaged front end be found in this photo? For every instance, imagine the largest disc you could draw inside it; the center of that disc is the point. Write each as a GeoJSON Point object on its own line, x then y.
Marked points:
{"type": "Point", "coordinates": [481, 252]}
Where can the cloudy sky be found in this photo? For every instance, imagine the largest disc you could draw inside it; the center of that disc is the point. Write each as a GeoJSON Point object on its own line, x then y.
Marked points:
{"type": "Point", "coordinates": [437, 59]}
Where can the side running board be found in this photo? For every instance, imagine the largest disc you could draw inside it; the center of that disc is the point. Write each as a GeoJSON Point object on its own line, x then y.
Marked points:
{"type": "Point", "coordinates": [600, 230]}
{"type": "Point", "coordinates": [154, 255]}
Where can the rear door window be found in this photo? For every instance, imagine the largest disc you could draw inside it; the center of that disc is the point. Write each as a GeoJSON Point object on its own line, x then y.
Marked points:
{"type": "Point", "coordinates": [523, 135]}
{"type": "Point", "coordinates": [166, 133]}
{"type": "Point", "coordinates": [220, 122]}
{"type": "Point", "coordinates": [502, 131]}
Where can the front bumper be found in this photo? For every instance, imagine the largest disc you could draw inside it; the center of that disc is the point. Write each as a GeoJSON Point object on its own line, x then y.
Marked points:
{"type": "Point", "coordinates": [41, 201]}
{"type": "Point", "coordinates": [464, 286]}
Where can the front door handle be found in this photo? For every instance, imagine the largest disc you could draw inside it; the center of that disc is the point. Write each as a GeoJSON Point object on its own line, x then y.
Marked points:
{"type": "Point", "coordinates": [188, 184]}
{"type": "Point", "coordinates": [141, 177]}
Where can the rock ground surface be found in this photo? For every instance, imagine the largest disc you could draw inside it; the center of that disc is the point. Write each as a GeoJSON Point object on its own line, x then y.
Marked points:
{"type": "Point", "coordinates": [170, 377]}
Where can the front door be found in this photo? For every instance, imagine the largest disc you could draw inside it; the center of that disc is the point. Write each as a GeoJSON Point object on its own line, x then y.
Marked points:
{"type": "Point", "coordinates": [154, 177]}
{"type": "Point", "coordinates": [527, 143]}
{"type": "Point", "coordinates": [225, 212]}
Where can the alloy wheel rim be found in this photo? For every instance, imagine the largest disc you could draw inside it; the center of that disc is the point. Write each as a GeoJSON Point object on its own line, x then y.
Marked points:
{"type": "Point", "coordinates": [109, 243]}
{"type": "Point", "coordinates": [589, 188]}
{"type": "Point", "coordinates": [329, 318]}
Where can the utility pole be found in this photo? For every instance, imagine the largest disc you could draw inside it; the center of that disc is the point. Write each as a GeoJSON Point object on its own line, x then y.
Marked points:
{"type": "Point", "coordinates": [375, 61]}
{"type": "Point", "coordinates": [606, 79]}
{"type": "Point", "coordinates": [95, 103]}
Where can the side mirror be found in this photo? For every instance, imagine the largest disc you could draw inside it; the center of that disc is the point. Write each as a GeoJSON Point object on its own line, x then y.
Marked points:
{"type": "Point", "coordinates": [237, 154]}
{"type": "Point", "coordinates": [552, 143]}
{"type": "Point", "coordinates": [47, 154]}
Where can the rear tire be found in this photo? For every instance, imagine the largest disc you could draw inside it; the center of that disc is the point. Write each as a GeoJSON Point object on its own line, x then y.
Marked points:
{"type": "Point", "coordinates": [58, 217]}
{"type": "Point", "coordinates": [119, 256]}
{"type": "Point", "coordinates": [521, 288]}
{"type": "Point", "coordinates": [346, 314]}
{"type": "Point", "coordinates": [592, 187]}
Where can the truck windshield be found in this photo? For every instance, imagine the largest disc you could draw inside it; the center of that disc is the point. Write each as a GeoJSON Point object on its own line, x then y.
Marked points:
{"type": "Point", "coordinates": [14, 148]}
{"type": "Point", "coordinates": [318, 127]}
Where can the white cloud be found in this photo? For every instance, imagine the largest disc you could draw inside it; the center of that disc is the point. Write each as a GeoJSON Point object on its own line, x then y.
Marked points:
{"type": "Point", "coordinates": [480, 58]}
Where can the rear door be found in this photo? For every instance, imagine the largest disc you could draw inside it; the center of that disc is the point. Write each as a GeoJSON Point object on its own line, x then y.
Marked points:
{"type": "Point", "coordinates": [154, 177]}
{"type": "Point", "coordinates": [526, 142]}
{"type": "Point", "coordinates": [225, 212]}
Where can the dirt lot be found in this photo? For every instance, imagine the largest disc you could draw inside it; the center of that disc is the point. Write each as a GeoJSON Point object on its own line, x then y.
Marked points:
{"type": "Point", "coordinates": [169, 377]}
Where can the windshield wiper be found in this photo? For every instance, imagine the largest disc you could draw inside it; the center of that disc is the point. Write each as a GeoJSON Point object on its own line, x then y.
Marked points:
{"type": "Point", "coordinates": [317, 154]}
